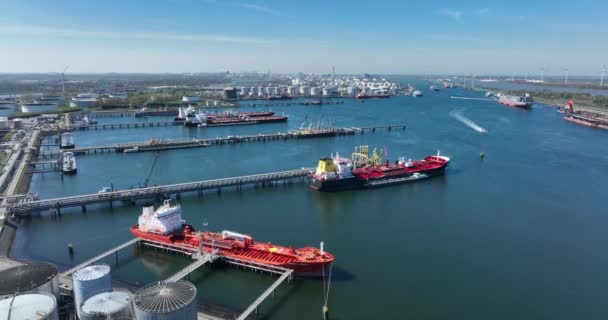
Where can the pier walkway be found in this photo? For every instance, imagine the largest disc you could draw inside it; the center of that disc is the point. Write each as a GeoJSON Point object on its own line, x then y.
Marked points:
{"type": "Point", "coordinates": [254, 306]}
{"type": "Point", "coordinates": [100, 256]}
{"type": "Point", "coordinates": [199, 260]}
{"type": "Point", "coordinates": [154, 145]}
{"type": "Point", "coordinates": [56, 204]}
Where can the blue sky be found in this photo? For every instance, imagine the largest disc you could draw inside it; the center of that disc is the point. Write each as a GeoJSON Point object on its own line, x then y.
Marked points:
{"type": "Point", "coordinates": [433, 36]}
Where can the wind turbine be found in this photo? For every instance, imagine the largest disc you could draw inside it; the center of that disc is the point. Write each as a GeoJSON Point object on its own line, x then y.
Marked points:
{"type": "Point", "coordinates": [542, 74]}
{"type": "Point", "coordinates": [62, 74]}
{"type": "Point", "coordinates": [566, 69]}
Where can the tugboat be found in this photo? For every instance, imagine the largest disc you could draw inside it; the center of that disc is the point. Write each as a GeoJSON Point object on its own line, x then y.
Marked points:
{"type": "Point", "coordinates": [165, 226]}
{"type": "Point", "coordinates": [364, 171]}
{"type": "Point", "coordinates": [68, 163]}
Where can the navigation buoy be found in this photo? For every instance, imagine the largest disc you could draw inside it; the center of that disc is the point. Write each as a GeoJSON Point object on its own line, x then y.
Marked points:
{"type": "Point", "coordinates": [482, 155]}
{"type": "Point", "coordinates": [70, 249]}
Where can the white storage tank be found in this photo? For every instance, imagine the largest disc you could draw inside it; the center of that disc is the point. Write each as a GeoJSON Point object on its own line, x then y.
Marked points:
{"type": "Point", "coordinates": [33, 306]}
{"type": "Point", "coordinates": [191, 99]}
{"type": "Point", "coordinates": [352, 90]}
{"type": "Point", "coordinates": [38, 107]}
{"type": "Point", "coordinates": [83, 102]}
{"type": "Point", "coordinates": [90, 280]}
{"type": "Point", "coordinates": [37, 277]}
{"type": "Point", "coordinates": [107, 305]}
{"type": "Point", "coordinates": [315, 91]}
{"type": "Point", "coordinates": [330, 92]}
{"type": "Point", "coordinates": [166, 300]}
{"type": "Point", "coordinates": [304, 90]}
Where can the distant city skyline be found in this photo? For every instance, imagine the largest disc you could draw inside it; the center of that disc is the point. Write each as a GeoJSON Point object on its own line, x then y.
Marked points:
{"type": "Point", "coordinates": [394, 37]}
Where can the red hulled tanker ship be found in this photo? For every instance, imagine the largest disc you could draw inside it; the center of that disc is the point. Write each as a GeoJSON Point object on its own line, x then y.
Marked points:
{"type": "Point", "coordinates": [524, 102]}
{"type": "Point", "coordinates": [165, 226]}
{"type": "Point", "coordinates": [243, 117]}
{"type": "Point", "coordinates": [365, 171]}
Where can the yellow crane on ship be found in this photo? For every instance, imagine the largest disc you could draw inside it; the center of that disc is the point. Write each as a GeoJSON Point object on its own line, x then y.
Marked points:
{"type": "Point", "coordinates": [362, 158]}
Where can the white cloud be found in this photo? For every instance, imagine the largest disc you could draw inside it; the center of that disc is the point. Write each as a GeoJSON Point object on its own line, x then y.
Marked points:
{"type": "Point", "coordinates": [259, 8]}
{"type": "Point", "coordinates": [452, 14]}
{"type": "Point", "coordinates": [197, 37]}
{"type": "Point", "coordinates": [481, 11]}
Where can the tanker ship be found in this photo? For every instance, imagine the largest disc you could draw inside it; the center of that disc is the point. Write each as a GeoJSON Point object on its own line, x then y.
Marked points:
{"type": "Point", "coordinates": [524, 102]}
{"type": "Point", "coordinates": [364, 171]}
{"type": "Point", "coordinates": [165, 225]}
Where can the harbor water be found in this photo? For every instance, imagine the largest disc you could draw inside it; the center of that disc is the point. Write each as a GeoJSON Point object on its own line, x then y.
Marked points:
{"type": "Point", "coordinates": [518, 234]}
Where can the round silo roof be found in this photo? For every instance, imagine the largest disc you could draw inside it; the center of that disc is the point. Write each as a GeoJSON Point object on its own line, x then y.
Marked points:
{"type": "Point", "coordinates": [26, 277]}
{"type": "Point", "coordinates": [92, 272]}
{"type": "Point", "coordinates": [106, 303]}
{"type": "Point", "coordinates": [162, 296]}
{"type": "Point", "coordinates": [27, 306]}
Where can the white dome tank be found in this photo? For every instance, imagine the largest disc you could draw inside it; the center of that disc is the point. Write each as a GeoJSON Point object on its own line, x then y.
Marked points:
{"type": "Point", "coordinates": [107, 305]}
{"type": "Point", "coordinates": [88, 281]}
{"type": "Point", "coordinates": [315, 91]}
{"type": "Point", "coordinates": [29, 307]}
{"type": "Point", "coordinates": [166, 300]}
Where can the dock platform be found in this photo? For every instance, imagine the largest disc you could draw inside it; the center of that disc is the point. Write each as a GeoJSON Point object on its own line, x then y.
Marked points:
{"type": "Point", "coordinates": [194, 143]}
{"type": "Point", "coordinates": [23, 209]}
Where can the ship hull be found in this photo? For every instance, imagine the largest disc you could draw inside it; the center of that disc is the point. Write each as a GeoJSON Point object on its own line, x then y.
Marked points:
{"type": "Point", "coordinates": [330, 185]}
{"type": "Point", "coordinates": [521, 105]}
{"type": "Point", "coordinates": [191, 124]}
{"type": "Point", "coordinates": [67, 146]}
{"type": "Point", "coordinates": [190, 243]}
{"type": "Point", "coordinates": [70, 172]}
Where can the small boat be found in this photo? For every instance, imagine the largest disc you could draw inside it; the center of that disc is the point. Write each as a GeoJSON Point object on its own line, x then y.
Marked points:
{"type": "Point", "coordinates": [105, 190]}
{"type": "Point", "coordinates": [435, 88]}
{"type": "Point", "coordinates": [417, 93]}
{"type": "Point", "coordinates": [68, 163]}
{"type": "Point", "coordinates": [129, 150]}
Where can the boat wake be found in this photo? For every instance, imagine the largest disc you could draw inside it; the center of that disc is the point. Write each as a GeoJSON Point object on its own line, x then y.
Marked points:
{"type": "Point", "coordinates": [457, 114]}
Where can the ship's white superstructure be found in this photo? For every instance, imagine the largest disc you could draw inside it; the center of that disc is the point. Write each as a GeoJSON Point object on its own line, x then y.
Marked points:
{"type": "Point", "coordinates": [166, 219]}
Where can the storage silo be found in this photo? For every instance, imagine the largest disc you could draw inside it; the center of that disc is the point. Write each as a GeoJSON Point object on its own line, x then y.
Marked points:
{"type": "Point", "coordinates": [29, 306]}
{"type": "Point", "coordinates": [165, 300]}
{"type": "Point", "coordinates": [315, 91]}
{"type": "Point", "coordinates": [304, 91]}
{"type": "Point", "coordinates": [38, 277]}
{"type": "Point", "coordinates": [330, 91]}
{"type": "Point", "coordinates": [90, 280]}
{"type": "Point", "coordinates": [352, 90]}
{"type": "Point", "coordinates": [107, 305]}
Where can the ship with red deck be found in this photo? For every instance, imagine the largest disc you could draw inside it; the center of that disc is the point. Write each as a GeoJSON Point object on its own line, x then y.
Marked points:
{"type": "Point", "coordinates": [524, 102]}
{"type": "Point", "coordinates": [165, 226]}
{"type": "Point", "coordinates": [367, 171]}
{"type": "Point", "coordinates": [241, 118]}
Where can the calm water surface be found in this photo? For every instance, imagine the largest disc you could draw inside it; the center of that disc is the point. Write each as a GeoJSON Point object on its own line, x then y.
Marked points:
{"type": "Point", "coordinates": [517, 235]}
